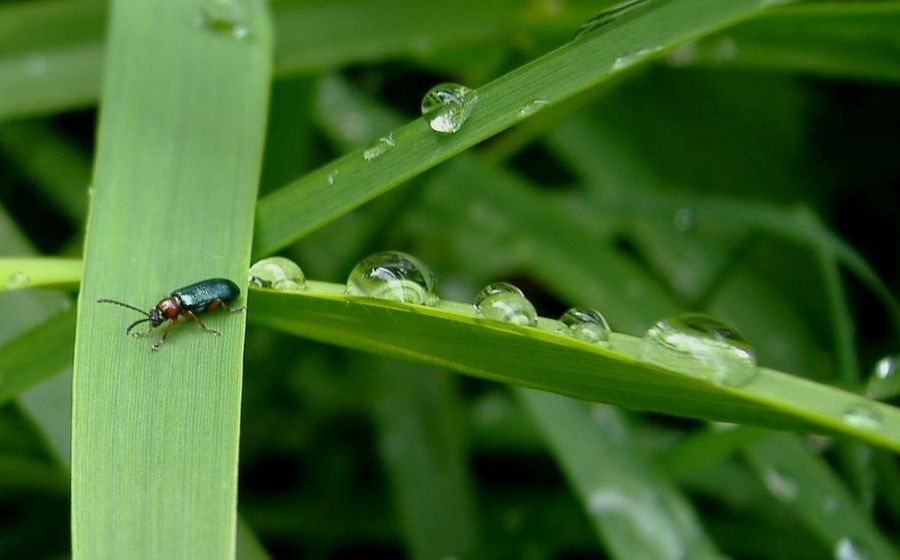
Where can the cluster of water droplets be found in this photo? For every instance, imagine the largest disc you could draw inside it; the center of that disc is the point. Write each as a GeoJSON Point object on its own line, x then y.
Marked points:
{"type": "Point", "coordinates": [696, 344]}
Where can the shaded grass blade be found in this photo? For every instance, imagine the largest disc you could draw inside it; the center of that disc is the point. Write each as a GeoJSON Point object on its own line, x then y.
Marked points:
{"type": "Point", "coordinates": [155, 435]}
{"type": "Point", "coordinates": [636, 509]}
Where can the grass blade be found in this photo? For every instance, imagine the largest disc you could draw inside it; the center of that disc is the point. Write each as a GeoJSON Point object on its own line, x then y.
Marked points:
{"type": "Point", "coordinates": [154, 466]}
{"type": "Point", "coordinates": [541, 359]}
{"type": "Point", "coordinates": [311, 201]}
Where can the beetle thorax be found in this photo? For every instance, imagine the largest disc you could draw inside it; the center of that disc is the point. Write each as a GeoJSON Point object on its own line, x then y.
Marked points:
{"type": "Point", "coordinates": [168, 308]}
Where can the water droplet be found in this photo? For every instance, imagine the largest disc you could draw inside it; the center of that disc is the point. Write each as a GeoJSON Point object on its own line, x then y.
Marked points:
{"type": "Point", "coordinates": [830, 505]}
{"type": "Point", "coordinates": [504, 302]}
{"type": "Point", "coordinates": [685, 219]}
{"type": "Point", "coordinates": [227, 17]}
{"type": "Point", "coordinates": [703, 347]}
{"type": "Point", "coordinates": [629, 59]}
{"type": "Point", "coordinates": [726, 49]}
{"type": "Point", "coordinates": [683, 55]}
{"type": "Point", "coordinates": [277, 273]}
{"type": "Point", "coordinates": [17, 280]}
{"type": "Point", "coordinates": [35, 65]}
{"type": "Point", "coordinates": [848, 549]}
{"type": "Point", "coordinates": [884, 382]}
{"type": "Point", "coordinates": [586, 324]}
{"type": "Point", "coordinates": [446, 107]}
{"type": "Point", "coordinates": [379, 147]}
{"type": "Point", "coordinates": [607, 16]}
{"type": "Point", "coordinates": [862, 415]}
{"type": "Point", "coordinates": [332, 177]}
{"type": "Point", "coordinates": [533, 107]}
{"type": "Point", "coordinates": [782, 487]}
{"type": "Point", "coordinates": [394, 276]}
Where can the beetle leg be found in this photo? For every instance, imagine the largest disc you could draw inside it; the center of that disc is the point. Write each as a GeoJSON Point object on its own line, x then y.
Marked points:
{"type": "Point", "coordinates": [165, 333]}
{"type": "Point", "coordinates": [199, 322]}
{"type": "Point", "coordinates": [219, 303]}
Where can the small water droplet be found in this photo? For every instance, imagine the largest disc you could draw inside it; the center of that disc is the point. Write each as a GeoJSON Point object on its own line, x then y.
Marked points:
{"type": "Point", "coordinates": [227, 17]}
{"type": "Point", "coordinates": [501, 301]}
{"type": "Point", "coordinates": [703, 347]}
{"type": "Point", "coordinates": [446, 107]}
{"type": "Point", "coordinates": [17, 280]}
{"type": "Point", "coordinates": [394, 276]}
{"type": "Point", "coordinates": [606, 17]}
{"type": "Point", "coordinates": [781, 486]}
{"type": "Point", "coordinates": [35, 65]}
{"type": "Point", "coordinates": [684, 55]}
{"type": "Point", "coordinates": [586, 324]}
{"type": "Point", "coordinates": [862, 415]}
{"type": "Point", "coordinates": [848, 549]}
{"type": "Point", "coordinates": [277, 273]}
{"type": "Point", "coordinates": [379, 147]}
{"type": "Point", "coordinates": [884, 383]}
{"type": "Point", "coordinates": [332, 177]}
{"type": "Point", "coordinates": [685, 219]}
{"type": "Point", "coordinates": [533, 107]}
{"type": "Point", "coordinates": [630, 59]}
{"type": "Point", "coordinates": [726, 49]}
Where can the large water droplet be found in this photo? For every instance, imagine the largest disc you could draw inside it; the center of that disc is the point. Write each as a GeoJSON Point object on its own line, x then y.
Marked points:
{"type": "Point", "coordinates": [228, 17]}
{"type": "Point", "coordinates": [379, 147]}
{"type": "Point", "coordinates": [586, 324]}
{"type": "Point", "coordinates": [394, 276]}
{"type": "Point", "coordinates": [332, 177]}
{"type": "Point", "coordinates": [17, 280]}
{"type": "Point", "coordinates": [884, 382]}
{"type": "Point", "coordinates": [504, 302]}
{"type": "Point", "coordinates": [446, 107]}
{"type": "Point", "coordinates": [862, 415]}
{"type": "Point", "coordinates": [848, 549]}
{"type": "Point", "coordinates": [277, 273]}
{"type": "Point", "coordinates": [703, 347]}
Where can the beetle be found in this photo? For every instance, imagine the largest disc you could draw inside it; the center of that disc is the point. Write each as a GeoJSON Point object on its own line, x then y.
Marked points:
{"type": "Point", "coordinates": [192, 300]}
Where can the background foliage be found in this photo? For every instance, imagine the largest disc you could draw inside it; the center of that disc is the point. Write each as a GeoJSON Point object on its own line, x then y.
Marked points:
{"type": "Point", "coordinates": [739, 160]}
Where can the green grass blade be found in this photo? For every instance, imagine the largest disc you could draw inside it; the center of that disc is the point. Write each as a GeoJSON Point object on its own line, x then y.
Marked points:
{"type": "Point", "coordinates": [50, 55]}
{"type": "Point", "coordinates": [808, 486]}
{"type": "Point", "coordinates": [155, 434]}
{"type": "Point", "coordinates": [637, 510]}
{"type": "Point", "coordinates": [541, 359]}
{"type": "Point", "coordinates": [38, 272]}
{"type": "Point", "coordinates": [420, 436]}
{"type": "Point", "coordinates": [21, 367]}
{"type": "Point", "coordinates": [833, 39]}
{"type": "Point", "coordinates": [313, 200]}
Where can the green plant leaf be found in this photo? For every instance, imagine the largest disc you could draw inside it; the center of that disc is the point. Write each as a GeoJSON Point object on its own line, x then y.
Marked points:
{"type": "Point", "coordinates": [833, 39]}
{"type": "Point", "coordinates": [155, 434]}
{"type": "Point", "coordinates": [332, 190]}
{"type": "Point", "coordinates": [542, 359]}
{"type": "Point", "coordinates": [39, 272]}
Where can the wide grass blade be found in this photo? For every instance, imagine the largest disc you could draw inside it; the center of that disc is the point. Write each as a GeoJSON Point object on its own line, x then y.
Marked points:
{"type": "Point", "coordinates": [155, 434]}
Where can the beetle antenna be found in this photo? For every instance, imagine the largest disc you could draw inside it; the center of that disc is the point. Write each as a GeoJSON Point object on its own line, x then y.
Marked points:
{"type": "Point", "coordinates": [136, 323]}
{"type": "Point", "coordinates": [119, 303]}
